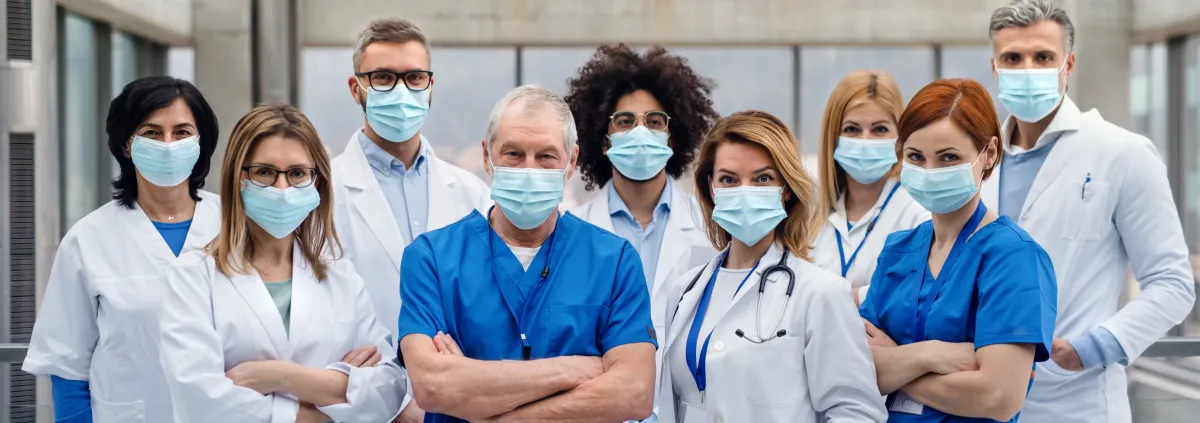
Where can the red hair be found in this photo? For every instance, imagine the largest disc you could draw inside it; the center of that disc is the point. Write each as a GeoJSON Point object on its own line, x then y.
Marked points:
{"type": "Point", "coordinates": [965, 102]}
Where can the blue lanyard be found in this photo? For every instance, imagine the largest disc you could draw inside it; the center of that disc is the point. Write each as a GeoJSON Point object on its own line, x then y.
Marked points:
{"type": "Point", "coordinates": [870, 227]}
{"type": "Point", "coordinates": [926, 301]}
{"type": "Point", "coordinates": [697, 369]}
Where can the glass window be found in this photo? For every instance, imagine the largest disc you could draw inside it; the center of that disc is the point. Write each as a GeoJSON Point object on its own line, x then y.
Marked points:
{"type": "Point", "coordinates": [551, 67]}
{"type": "Point", "coordinates": [747, 78]}
{"type": "Point", "coordinates": [325, 96]}
{"type": "Point", "coordinates": [821, 68]}
{"type": "Point", "coordinates": [973, 62]}
{"type": "Point", "coordinates": [181, 63]}
{"type": "Point", "coordinates": [82, 146]}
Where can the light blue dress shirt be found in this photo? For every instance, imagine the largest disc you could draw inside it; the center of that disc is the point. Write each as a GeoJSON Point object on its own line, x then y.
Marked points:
{"type": "Point", "coordinates": [1097, 347]}
{"type": "Point", "coordinates": [646, 241]}
{"type": "Point", "coordinates": [407, 192]}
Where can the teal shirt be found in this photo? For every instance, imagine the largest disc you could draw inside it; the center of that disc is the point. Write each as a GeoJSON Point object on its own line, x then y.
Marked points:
{"type": "Point", "coordinates": [281, 293]}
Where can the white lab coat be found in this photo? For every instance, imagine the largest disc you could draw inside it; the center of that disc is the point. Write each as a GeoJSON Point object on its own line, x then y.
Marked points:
{"type": "Point", "coordinates": [368, 231]}
{"type": "Point", "coordinates": [212, 322]}
{"type": "Point", "coordinates": [820, 371]}
{"type": "Point", "coordinates": [902, 213]}
{"type": "Point", "coordinates": [97, 320]}
{"type": "Point", "coordinates": [1125, 216]}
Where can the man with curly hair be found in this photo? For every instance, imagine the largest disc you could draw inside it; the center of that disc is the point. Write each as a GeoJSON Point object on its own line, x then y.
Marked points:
{"type": "Point", "coordinates": [640, 120]}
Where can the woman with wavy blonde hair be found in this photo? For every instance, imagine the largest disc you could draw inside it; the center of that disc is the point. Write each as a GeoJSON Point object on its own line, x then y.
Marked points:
{"type": "Point", "coordinates": [861, 200]}
{"type": "Point", "coordinates": [267, 324]}
{"type": "Point", "coordinates": [760, 334]}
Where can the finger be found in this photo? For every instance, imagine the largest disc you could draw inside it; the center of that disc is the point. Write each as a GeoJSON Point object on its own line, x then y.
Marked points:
{"type": "Point", "coordinates": [440, 345]}
{"type": "Point", "coordinates": [454, 346]}
{"type": "Point", "coordinates": [360, 356]}
{"type": "Point", "coordinates": [373, 360]}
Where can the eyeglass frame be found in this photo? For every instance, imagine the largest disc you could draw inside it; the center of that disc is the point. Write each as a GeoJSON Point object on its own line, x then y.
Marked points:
{"type": "Point", "coordinates": [400, 76]}
{"type": "Point", "coordinates": [639, 118]}
{"type": "Point", "coordinates": [312, 175]}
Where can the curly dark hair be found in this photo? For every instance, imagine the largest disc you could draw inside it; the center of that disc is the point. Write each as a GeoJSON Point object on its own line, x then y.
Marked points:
{"type": "Point", "coordinates": [615, 71]}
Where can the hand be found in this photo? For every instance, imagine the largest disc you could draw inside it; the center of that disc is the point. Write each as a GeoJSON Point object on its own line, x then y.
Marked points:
{"type": "Point", "coordinates": [583, 368]}
{"type": "Point", "coordinates": [1065, 356]}
{"type": "Point", "coordinates": [266, 377]}
{"type": "Point", "coordinates": [411, 414]}
{"type": "Point", "coordinates": [876, 337]}
{"type": "Point", "coordinates": [446, 345]}
{"type": "Point", "coordinates": [950, 357]}
{"type": "Point", "coordinates": [310, 414]}
{"type": "Point", "coordinates": [366, 356]}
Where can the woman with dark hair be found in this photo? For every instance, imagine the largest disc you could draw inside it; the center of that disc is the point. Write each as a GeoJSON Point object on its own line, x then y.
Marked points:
{"type": "Point", "coordinates": [97, 331]}
{"type": "Point", "coordinates": [640, 120]}
{"type": "Point", "coordinates": [961, 307]}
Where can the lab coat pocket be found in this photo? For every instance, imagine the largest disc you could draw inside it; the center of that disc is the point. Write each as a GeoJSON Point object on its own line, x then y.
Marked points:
{"type": "Point", "coordinates": [575, 329]}
{"type": "Point", "coordinates": [112, 412]}
{"type": "Point", "coordinates": [1091, 217]}
{"type": "Point", "coordinates": [773, 377]}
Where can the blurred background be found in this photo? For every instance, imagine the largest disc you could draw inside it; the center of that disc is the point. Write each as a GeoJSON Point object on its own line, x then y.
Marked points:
{"type": "Point", "coordinates": [62, 61]}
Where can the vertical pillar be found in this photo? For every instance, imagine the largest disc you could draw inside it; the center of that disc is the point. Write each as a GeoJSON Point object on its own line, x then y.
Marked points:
{"type": "Point", "coordinates": [275, 51]}
{"type": "Point", "coordinates": [224, 66]}
{"type": "Point", "coordinates": [1103, 32]}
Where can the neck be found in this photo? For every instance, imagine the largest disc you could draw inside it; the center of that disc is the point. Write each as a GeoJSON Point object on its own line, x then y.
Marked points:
{"type": "Point", "coordinates": [269, 250]}
{"type": "Point", "coordinates": [1027, 133]}
{"type": "Point", "coordinates": [946, 227]}
{"type": "Point", "coordinates": [162, 202]}
{"type": "Point", "coordinates": [640, 196]}
{"type": "Point", "coordinates": [742, 256]}
{"type": "Point", "coordinates": [524, 238]}
{"type": "Point", "coordinates": [406, 152]}
{"type": "Point", "coordinates": [861, 197]}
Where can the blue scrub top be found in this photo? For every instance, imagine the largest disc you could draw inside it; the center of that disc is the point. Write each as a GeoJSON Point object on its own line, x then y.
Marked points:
{"type": "Point", "coordinates": [464, 281]}
{"type": "Point", "coordinates": [1000, 290]}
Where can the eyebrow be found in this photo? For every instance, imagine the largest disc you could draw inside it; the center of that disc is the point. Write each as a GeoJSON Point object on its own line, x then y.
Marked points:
{"type": "Point", "coordinates": [946, 150]}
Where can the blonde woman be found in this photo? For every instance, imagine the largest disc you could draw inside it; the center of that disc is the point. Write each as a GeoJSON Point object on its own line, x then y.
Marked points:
{"type": "Point", "coordinates": [760, 334]}
{"type": "Point", "coordinates": [255, 326]}
{"type": "Point", "coordinates": [861, 200]}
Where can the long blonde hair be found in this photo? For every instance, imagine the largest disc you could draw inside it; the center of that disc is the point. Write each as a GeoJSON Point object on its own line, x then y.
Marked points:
{"type": "Point", "coordinates": [233, 248]}
{"type": "Point", "coordinates": [856, 88]}
{"type": "Point", "coordinates": [767, 131]}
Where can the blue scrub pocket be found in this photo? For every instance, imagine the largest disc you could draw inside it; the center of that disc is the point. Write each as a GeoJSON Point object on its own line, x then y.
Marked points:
{"type": "Point", "coordinates": [575, 329]}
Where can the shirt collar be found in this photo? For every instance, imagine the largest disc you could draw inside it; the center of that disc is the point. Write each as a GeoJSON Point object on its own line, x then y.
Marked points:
{"type": "Point", "coordinates": [617, 205]}
{"type": "Point", "coordinates": [384, 163]}
{"type": "Point", "coordinates": [839, 219]}
{"type": "Point", "coordinates": [1066, 119]}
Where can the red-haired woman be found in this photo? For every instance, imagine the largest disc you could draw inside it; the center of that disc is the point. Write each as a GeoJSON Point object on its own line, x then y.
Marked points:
{"type": "Point", "coordinates": [961, 307]}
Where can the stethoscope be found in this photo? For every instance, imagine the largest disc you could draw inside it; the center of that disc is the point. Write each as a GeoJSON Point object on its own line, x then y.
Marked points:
{"type": "Point", "coordinates": [762, 287]}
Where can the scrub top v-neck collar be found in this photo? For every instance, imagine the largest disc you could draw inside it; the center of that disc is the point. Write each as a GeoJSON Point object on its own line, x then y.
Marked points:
{"type": "Point", "coordinates": [523, 291]}
{"type": "Point", "coordinates": [925, 298]}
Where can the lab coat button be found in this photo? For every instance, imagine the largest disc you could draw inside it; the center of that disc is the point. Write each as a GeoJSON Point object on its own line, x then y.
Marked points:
{"type": "Point", "coordinates": [719, 346]}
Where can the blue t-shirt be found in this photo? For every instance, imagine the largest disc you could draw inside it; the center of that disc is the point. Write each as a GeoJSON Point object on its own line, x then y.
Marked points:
{"type": "Point", "coordinates": [1000, 290]}
{"type": "Point", "coordinates": [592, 298]}
{"type": "Point", "coordinates": [174, 234]}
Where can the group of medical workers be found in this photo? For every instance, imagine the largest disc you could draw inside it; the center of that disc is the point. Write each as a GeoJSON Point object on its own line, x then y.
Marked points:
{"type": "Point", "coordinates": [940, 266]}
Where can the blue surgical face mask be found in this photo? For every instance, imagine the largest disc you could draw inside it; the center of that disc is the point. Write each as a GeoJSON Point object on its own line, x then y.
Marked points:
{"type": "Point", "coordinates": [527, 196]}
{"type": "Point", "coordinates": [639, 153]}
{"type": "Point", "coordinates": [398, 114]}
{"type": "Point", "coordinates": [165, 164]}
{"type": "Point", "coordinates": [941, 190]}
{"type": "Point", "coordinates": [748, 213]}
{"type": "Point", "coordinates": [865, 160]}
{"type": "Point", "coordinates": [1030, 94]}
{"type": "Point", "coordinates": [279, 211]}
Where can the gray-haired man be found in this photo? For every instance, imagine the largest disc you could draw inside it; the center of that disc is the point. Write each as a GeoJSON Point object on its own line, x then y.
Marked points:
{"type": "Point", "coordinates": [1097, 198]}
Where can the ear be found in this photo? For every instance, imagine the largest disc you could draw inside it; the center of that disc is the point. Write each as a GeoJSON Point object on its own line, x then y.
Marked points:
{"type": "Point", "coordinates": [574, 160]}
{"type": "Point", "coordinates": [992, 64]}
{"type": "Point", "coordinates": [1070, 64]}
{"type": "Point", "coordinates": [483, 148]}
{"type": "Point", "coordinates": [355, 92]}
{"type": "Point", "coordinates": [993, 152]}
{"type": "Point", "coordinates": [430, 89]}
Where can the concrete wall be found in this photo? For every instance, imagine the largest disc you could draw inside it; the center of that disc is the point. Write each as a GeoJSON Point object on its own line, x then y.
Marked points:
{"type": "Point", "coordinates": [164, 21]}
{"type": "Point", "coordinates": [224, 70]}
{"type": "Point", "coordinates": [1154, 20]}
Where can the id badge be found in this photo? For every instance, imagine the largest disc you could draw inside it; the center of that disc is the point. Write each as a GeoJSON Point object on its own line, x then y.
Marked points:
{"type": "Point", "coordinates": [694, 414]}
{"type": "Point", "coordinates": [906, 404]}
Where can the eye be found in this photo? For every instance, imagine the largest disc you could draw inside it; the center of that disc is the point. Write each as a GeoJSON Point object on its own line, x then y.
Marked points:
{"type": "Point", "coordinates": [726, 180]}
{"type": "Point", "coordinates": [764, 178]}
{"type": "Point", "coordinates": [183, 133]}
{"type": "Point", "coordinates": [548, 156]}
{"type": "Point", "coordinates": [149, 133]}
{"type": "Point", "coordinates": [1043, 58]}
{"type": "Point", "coordinates": [881, 130]}
{"type": "Point", "coordinates": [264, 172]}
{"type": "Point", "coordinates": [511, 153]}
{"type": "Point", "coordinates": [1012, 58]}
{"type": "Point", "coordinates": [950, 157]}
{"type": "Point", "coordinates": [297, 173]}
{"type": "Point", "coordinates": [850, 130]}
{"type": "Point", "coordinates": [915, 157]}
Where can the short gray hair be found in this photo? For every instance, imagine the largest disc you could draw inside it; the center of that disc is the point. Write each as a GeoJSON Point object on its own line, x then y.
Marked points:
{"type": "Point", "coordinates": [1025, 13]}
{"type": "Point", "coordinates": [533, 99]}
{"type": "Point", "coordinates": [389, 30]}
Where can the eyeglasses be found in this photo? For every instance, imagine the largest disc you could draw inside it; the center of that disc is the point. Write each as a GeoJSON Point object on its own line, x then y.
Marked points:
{"type": "Point", "coordinates": [624, 121]}
{"type": "Point", "coordinates": [384, 80]}
{"type": "Point", "coordinates": [265, 176]}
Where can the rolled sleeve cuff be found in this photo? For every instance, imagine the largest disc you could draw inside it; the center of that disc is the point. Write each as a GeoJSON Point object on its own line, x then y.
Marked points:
{"type": "Point", "coordinates": [1098, 348]}
{"type": "Point", "coordinates": [367, 398]}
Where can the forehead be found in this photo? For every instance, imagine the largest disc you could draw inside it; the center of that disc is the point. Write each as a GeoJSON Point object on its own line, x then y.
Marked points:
{"type": "Point", "coordinates": [638, 101]}
{"type": "Point", "coordinates": [538, 128]}
{"type": "Point", "coordinates": [1042, 36]}
{"type": "Point", "coordinates": [279, 151]}
{"type": "Point", "coordinates": [867, 112]}
{"type": "Point", "coordinates": [399, 57]}
{"type": "Point", "coordinates": [940, 135]}
{"type": "Point", "coordinates": [175, 113]}
{"type": "Point", "coordinates": [741, 156]}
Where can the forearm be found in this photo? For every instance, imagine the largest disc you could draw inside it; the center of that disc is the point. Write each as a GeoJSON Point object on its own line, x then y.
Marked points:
{"type": "Point", "coordinates": [320, 387]}
{"type": "Point", "coordinates": [897, 366]}
{"type": "Point", "coordinates": [476, 389]}
{"type": "Point", "coordinates": [964, 394]}
{"type": "Point", "coordinates": [613, 396]}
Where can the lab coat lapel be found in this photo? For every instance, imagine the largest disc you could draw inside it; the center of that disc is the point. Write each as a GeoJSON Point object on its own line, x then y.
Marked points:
{"type": "Point", "coordinates": [146, 236]}
{"type": "Point", "coordinates": [367, 198]}
{"type": "Point", "coordinates": [304, 288]}
{"type": "Point", "coordinates": [690, 299]}
{"type": "Point", "coordinates": [1061, 155]}
{"type": "Point", "coordinates": [675, 239]}
{"type": "Point", "coordinates": [443, 209]}
{"type": "Point", "coordinates": [598, 212]}
{"type": "Point", "coordinates": [205, 223]}
{"type": "Point", "coordinates": [250, 287]}
{"type": "Point", "coordinates": [769, 259]}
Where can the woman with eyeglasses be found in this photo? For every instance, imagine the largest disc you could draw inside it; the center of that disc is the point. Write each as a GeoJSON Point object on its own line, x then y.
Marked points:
{"type": "Point", "coordinates": [760, 334]}
{"type": "Point", "coordinates": [96, 334]}
{"type": "Point", "coordinates": [256, 327]}
{"type": "Point", "coordinates": [861, 200]}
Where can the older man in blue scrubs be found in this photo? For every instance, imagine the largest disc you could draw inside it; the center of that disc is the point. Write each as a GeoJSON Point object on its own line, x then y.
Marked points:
{"type": "Point", "coordinates": [526, 314]}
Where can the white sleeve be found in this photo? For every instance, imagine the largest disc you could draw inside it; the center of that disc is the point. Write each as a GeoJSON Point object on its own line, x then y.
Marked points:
{"type": "Point", "coordinates": [838, 365]}
{"type": "Point", "coordinates": [193, 361]}
{"type": "Point", "coordinates": [65, 333]}
{"type": "Point", "coordinates": [1148, 223]}
{"type": "Point", "coordinates": [373, 394]}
